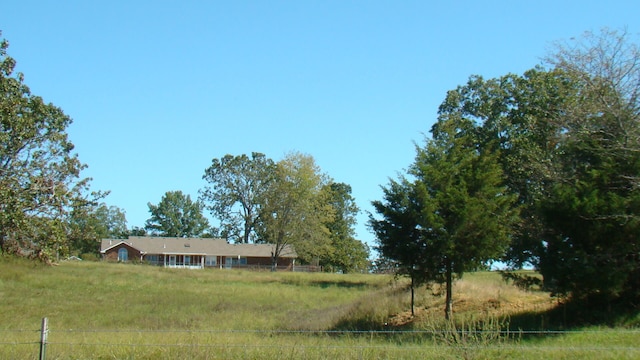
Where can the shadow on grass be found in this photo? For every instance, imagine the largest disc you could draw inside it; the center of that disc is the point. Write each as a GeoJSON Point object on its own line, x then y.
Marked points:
{"type": "Point", "coordinates": [339, 284]}
{"type": "Point", "coordinates": [328, 283]}
{"type": "Point", "coordinates": [361, 323]}
{"type": "Point", "coordinates": [531, 325]}
{"type": "Point", "coordinates": [582, 313]}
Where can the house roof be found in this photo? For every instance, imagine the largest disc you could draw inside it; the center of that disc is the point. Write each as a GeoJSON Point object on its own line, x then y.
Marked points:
{"type": "Point", "coordinates": [195, 246]}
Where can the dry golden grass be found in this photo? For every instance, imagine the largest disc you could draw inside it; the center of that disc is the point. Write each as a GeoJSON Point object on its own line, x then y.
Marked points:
{"type": "Point", "coordinates": [477, 296]}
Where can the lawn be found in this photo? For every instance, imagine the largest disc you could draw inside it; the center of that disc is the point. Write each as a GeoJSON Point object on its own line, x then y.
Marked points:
{"type": "Point", "coordinates": [121, 311]}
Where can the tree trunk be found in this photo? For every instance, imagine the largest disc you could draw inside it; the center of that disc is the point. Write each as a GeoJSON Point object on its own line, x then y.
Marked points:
{"type": "Point", "coordinates": [247, 227]}
{"type": "Point", "coordinates": [449, 299]}
{"type": "Point", "coordinates": [412, 295]}
{"type": "Point", "coordinates": [274, 262]}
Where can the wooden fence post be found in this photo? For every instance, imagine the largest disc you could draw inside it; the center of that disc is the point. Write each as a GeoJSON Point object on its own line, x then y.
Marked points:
{"type": "Point", "coordinates": [43, 339]}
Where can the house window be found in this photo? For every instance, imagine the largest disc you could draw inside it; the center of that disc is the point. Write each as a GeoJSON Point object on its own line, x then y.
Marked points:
{"type": "Point", "coordinates": [210, 261]}
{"type": "Point", "coordinates": [235, 261]}
{"type": "Point", "coordinates": [123, 254]}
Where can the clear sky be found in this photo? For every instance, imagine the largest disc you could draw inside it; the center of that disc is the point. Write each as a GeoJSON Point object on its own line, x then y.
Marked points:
{"type": "Point", "coordinates": [157, 89]}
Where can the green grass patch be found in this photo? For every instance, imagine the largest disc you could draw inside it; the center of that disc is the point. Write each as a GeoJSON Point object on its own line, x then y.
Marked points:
{"type": "Point", "coordinates": [118, 311]}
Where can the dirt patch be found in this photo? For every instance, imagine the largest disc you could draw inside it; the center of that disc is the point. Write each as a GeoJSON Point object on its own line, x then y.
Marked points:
{"type": "Point", "coordinates": [401, 319]}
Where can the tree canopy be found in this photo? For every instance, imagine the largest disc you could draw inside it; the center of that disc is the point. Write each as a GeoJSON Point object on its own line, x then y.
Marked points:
{"type": "Point", "coordinates": [566, 138]}
{"type": "Point", "coordinates": [289, 202]}
{"type": "Point", "coordinates": [591, 209]}
{"type": "Point", "coordinates": [293, 210]}
{"type": "Point", "coordinates": [176, 215]}
{"type": "Point", "coordinates": [40, 181]}
{"type": "Point", "coordinates": [453, 216]}
{"type": "Point", "coordinates": [90, 224]}
{"type": "Point", "coordinates": [571, 139]}
{"type": "Point", "coordinates": [236, 185]}
{"type": "Point", "coordinates": [347, 253]}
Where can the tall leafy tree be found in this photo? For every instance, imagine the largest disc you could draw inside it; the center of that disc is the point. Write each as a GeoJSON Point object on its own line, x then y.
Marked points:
{"type": "Point", "coordinates": [236, 184]}
{"type": "Point", "coordinates": [39, 173]}
{"type": "Point", "coordinates": [455, 216]}
{"type": "Point", "coordinates": [176, 215]}
{"type": "Point", "coordinates": [89, 224]}
{"type": "Point", "coordinates": [591, 211]}
{"type": "Point", "coordinates": [294, 210]}
{"type": "Point", "coordinates": [347, 253]}
{"type": "Point", "coordinates": [517, 117]}
{"type": "Point", "coordinates": [568, 139]}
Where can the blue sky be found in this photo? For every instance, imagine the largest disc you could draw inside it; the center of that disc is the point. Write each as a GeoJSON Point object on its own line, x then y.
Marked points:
{"type": "Point", "coordinates": [157, 89]}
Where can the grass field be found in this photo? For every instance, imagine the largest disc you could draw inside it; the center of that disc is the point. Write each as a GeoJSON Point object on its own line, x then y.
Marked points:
{"type": "Point", "coordinates": [119, 311]}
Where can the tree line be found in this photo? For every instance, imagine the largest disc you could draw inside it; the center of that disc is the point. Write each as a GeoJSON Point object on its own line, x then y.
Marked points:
{"type": "Point", "coordinates": [259, 200]}
{"type": "Point", "coordinates": [540, 169]}
{"type": "Point", "coordinates": [47, 210]}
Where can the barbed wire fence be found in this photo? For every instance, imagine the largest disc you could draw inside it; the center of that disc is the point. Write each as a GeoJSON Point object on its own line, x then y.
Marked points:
{"type": "Point", "coordinates": [221, 343]}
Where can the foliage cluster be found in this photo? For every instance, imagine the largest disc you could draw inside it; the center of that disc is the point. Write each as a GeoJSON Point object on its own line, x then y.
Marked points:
{"type": "Point", "coordinates": [43, 199]}
{"type": "Point", "coordinates": [258, 200]}
{"type": "Point", "coordinates": [176, 215]}
{"type": "Point", "coordinates": [289, 202]}
{"type": "Point", "coordinates": [539, 169]}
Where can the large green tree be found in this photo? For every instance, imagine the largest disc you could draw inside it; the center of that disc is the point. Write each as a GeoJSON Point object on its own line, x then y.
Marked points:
{"type": "Point", "coordinates": [568, 142]}
{"type": "Point", "coordinates": [517, 117]}
{"type": "Point", "coordinates": [347, 253]}
{"type": "Point", "coordinates": [404, 219]}
{"type": "Point", "coordinates": [294, 209]}
{"type": "Point", "coordinates": [455, 216]}
{"type": "Point", "coordinates": [40, 180]}
{"type": "Point", "coordinates": [89, 224]}
{"type": "Point", "coordinates": [176, 215]}
{"type": "Point", "coordinates": [591, 211]}
{"type": "Point", "coordinates": [236, 184]}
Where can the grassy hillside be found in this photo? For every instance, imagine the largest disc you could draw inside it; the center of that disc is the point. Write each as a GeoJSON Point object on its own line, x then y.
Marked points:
{"type": "Point", "coordinates": [91, 295]}
{"type": "Point", "coordinates": [115, 311]}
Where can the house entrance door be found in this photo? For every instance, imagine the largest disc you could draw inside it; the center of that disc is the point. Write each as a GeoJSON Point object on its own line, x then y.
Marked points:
{"type": "Point", "coordinates": [227, 262]}
{"type": "Point", "coordinates": [172, 260]}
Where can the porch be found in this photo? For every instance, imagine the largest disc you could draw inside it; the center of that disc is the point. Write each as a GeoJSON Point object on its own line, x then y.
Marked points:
{"type": "Point", "coordinates": [177, 261]}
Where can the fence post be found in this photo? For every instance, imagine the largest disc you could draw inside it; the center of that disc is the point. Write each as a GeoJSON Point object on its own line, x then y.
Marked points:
{"type": "Point", "coordinates": [43, 339]}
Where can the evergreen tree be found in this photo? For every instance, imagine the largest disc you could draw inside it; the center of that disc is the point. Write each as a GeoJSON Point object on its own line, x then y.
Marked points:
{"type": "Point", "coordinates": [454, 216]}
{"type": "Point", "coordinates": [591, 211]}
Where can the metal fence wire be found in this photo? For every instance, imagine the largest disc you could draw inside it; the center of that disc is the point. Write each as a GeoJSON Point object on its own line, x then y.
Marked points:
{"type": "Point", "coordinates": [308, 344]}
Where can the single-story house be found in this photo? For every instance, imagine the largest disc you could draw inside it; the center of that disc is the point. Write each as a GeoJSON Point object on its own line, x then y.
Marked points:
{"type": "Point", "coordinates": [194, 253]}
